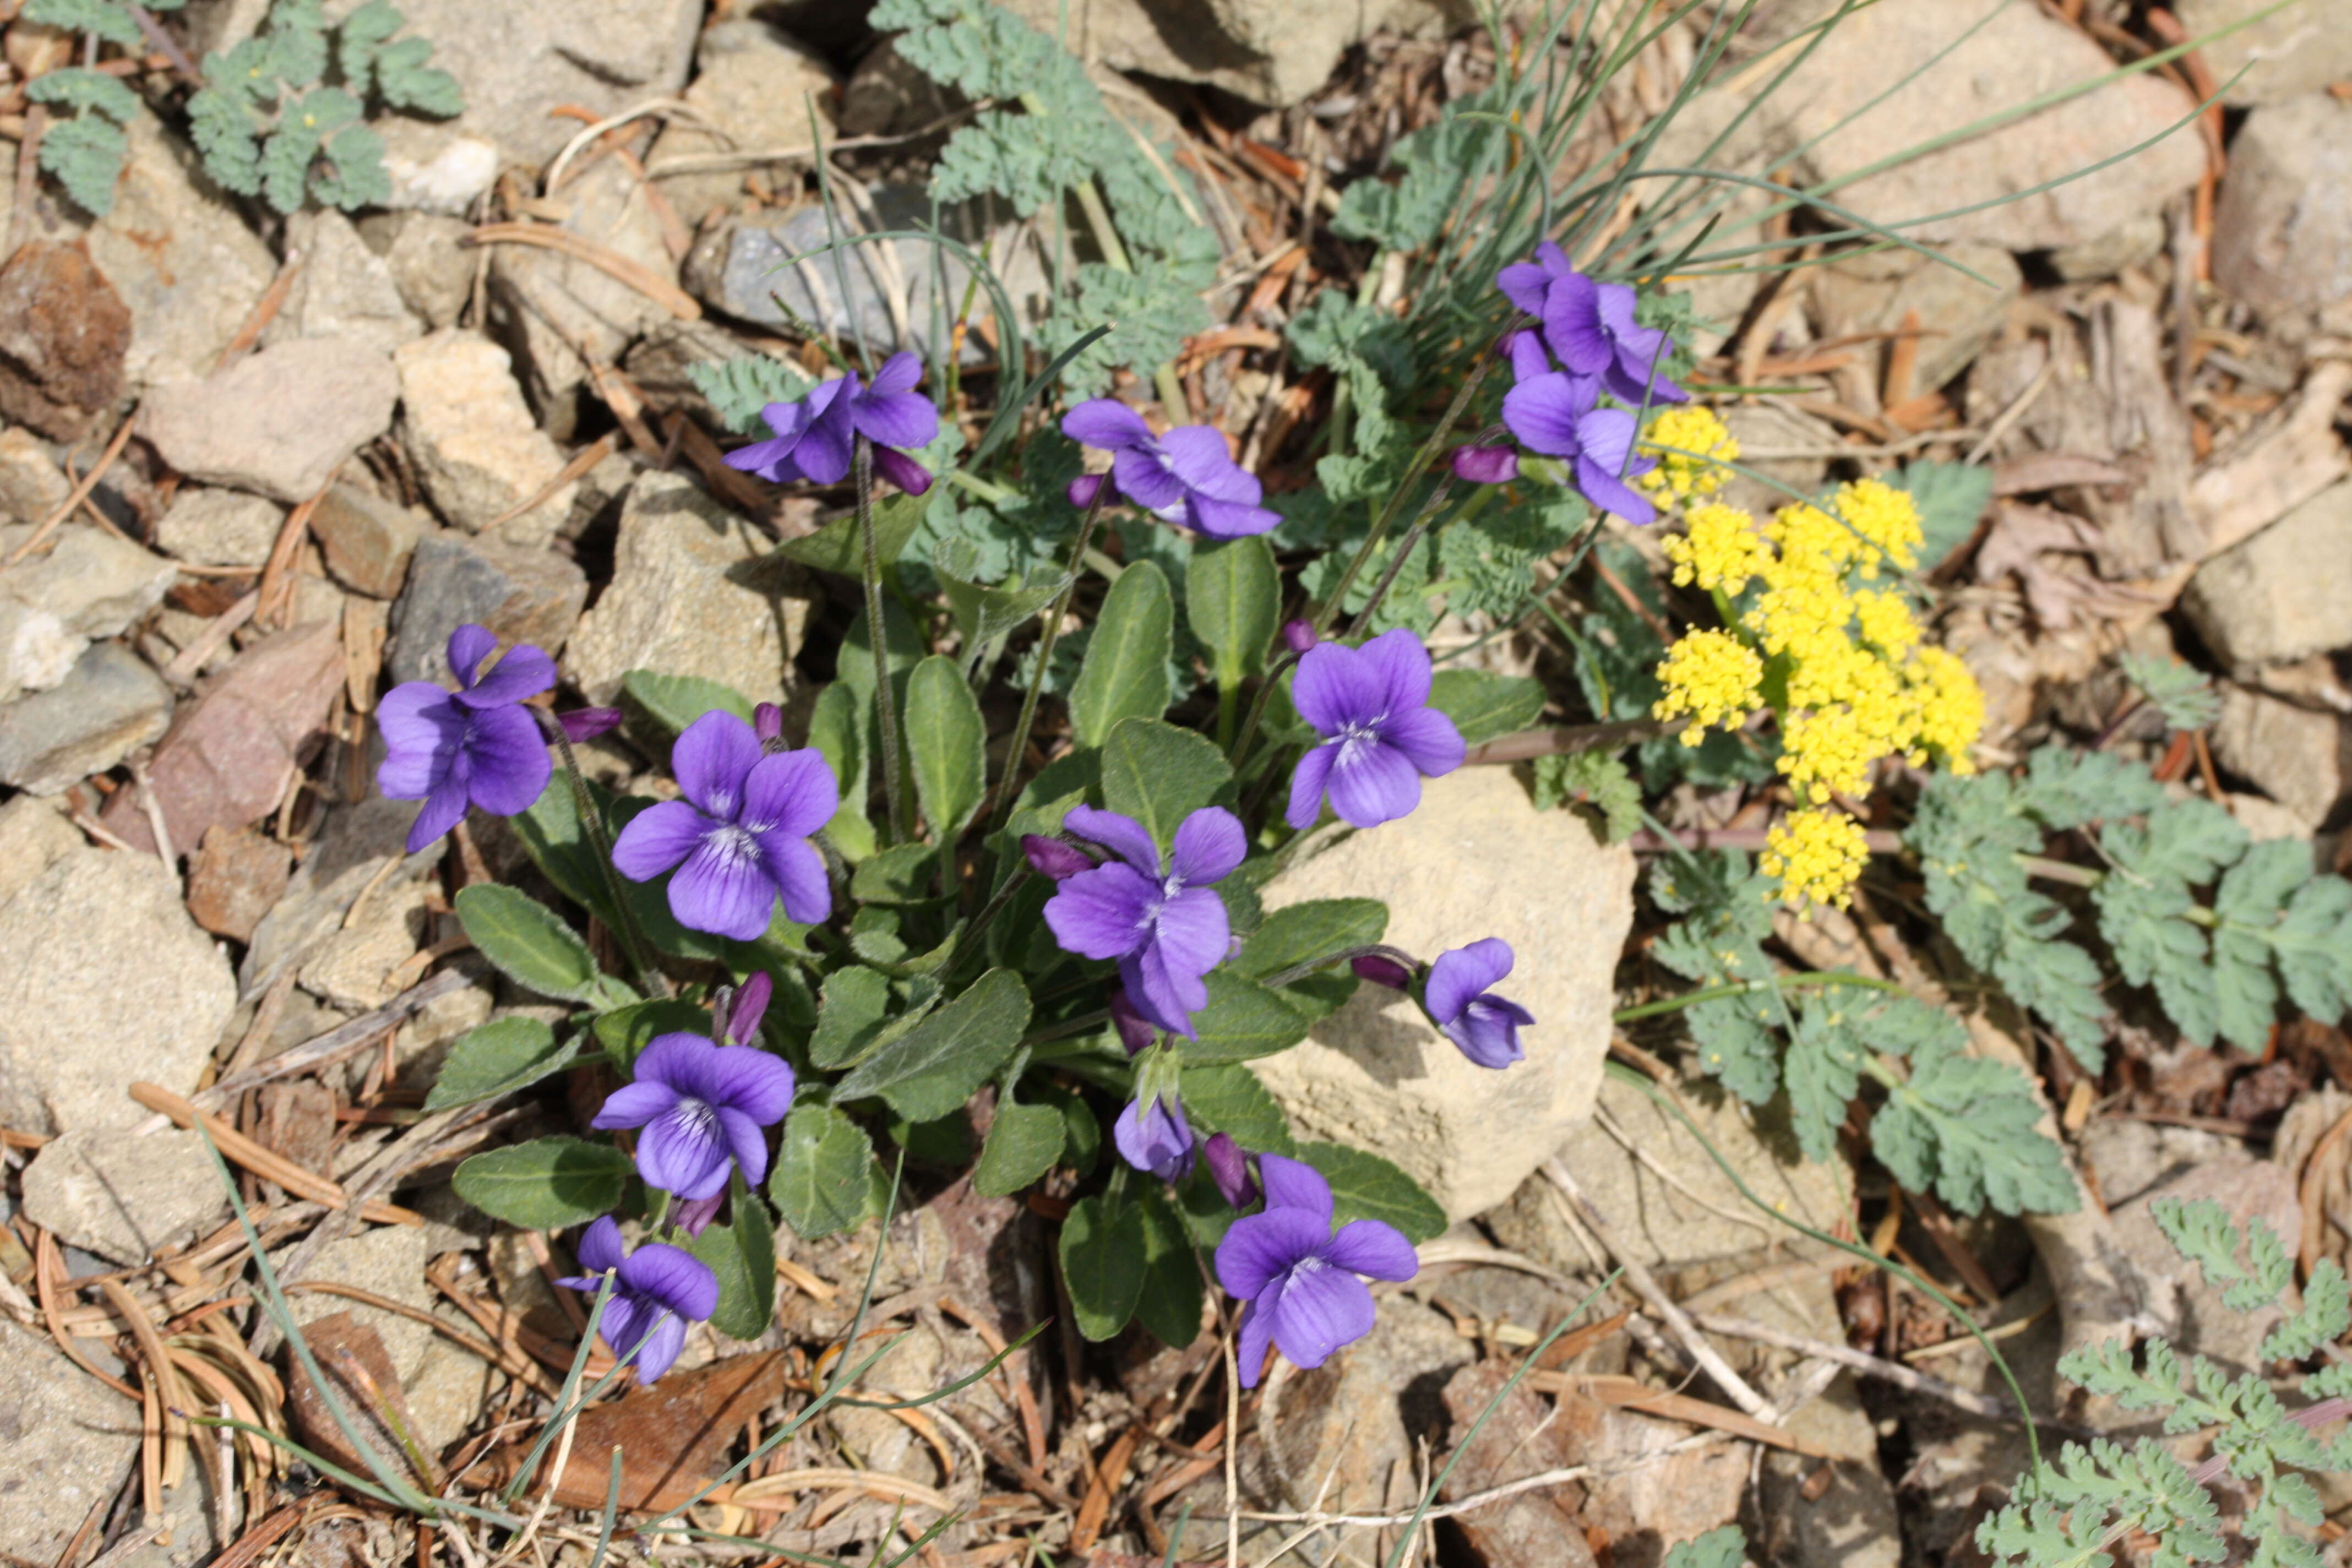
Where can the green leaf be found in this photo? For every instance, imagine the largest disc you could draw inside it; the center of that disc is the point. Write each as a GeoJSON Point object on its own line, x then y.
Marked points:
{"type": "Point", "coordinates": [1303, 932]}
{"type": "Point", "coordinates": [1365, 1186]}
{"type": "Point", "coordinates": [1595, 779]}
{"type": "Point", "coordinates": [1169, 1305]}
{"type": "Point", "coordinates": [1484, 705]}
{"type": "Point", "coordinates": [1082, 1135]}
{"type": "Point", "coordinates": [1230, 1099]}
{"type": "Point", "coordinates": [945, 736]}
{"type": "Point", "coordinates": [1103, 1254]}
{"type": "Point", "coordinates": [934, 1068]}
{"type": "Point", "coordinates": [2184, 698]}
{"type": "Point", "coordinates": [1023, 1143]}
{"type": "Point", "coordinates": [1967, 1126]}
{"type": "Point", "coordinates": [86, 154]}
{"type": "Point", "coordinates": [1242, 1019]}
{"type": "Point", "coordinates": [944, 1141]}
{"type": "Point", "coordinates": [836, 731]}
{"type": "Point", "coordinates": [499, 1058]}
{"type": "Point", "coordinates": [1951, 498]}
{"type": "Point", "coordinates": [111, 24]}
{"type": "Point", "coordinates": [1232, 594]}
{"type": "Point", "coordinates": [851, 1010]}
{"type": "Point", "coordinates": [1722, 1548]}
{"type": "Point", "coordinates": [1126, 672]}
{"type": "Point", "coordinates": [826, 1179]}
{"type": "Point", "coordinates": [984, 616]}
{"type": "Point", "coordinates": [743, 1255]}
{"type": "Point", "coordinates": [529, 945]}
{"type": "Point", "coordinates": [902, 874]}
{"type": "Point", "coordinates": [625, 1031]}
{"type": "Point", "coordinates": [547, 1183]}
{"type": "Point", "coordinates": [1159, 774]}
{"type": "Point", "coordinates": [674, 701]}
{"type": "Point", "coordinates": [838, 548]}
{"type": "Point", "coordinates": [552, 836]}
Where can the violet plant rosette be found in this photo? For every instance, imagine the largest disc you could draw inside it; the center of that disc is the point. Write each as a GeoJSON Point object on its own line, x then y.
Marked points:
{"type": "Point", "coordinates": [1460, 1000]}
{"type": "Point", "coordinates": [474, 746]}
{"type": "Point", "coordinates": [739, 838]}
{"type": "Point", "coordinates": [1381, 738]}
{"type": "Point", "coordinates": [1187, 476]}
{"type": "Point", "coordinates": [657, 1291]}
{"type": "Point", "coordinates": [1590, 329]}
{"type": "Point", "coordinates": [1155, 915]}
{"type": "Point", "coordinates": [1556, 414]}
{"type": "Point", "coordinates": [1297, 1277]}
{"type": "Point", "coordinates": [703, 1108]}
{"type": "Point", "coordinates": [815, 438]}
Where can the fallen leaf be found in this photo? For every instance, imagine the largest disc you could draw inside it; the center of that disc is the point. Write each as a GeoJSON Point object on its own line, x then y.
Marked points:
{"type": "Point", "coordinates": [359, 1373]}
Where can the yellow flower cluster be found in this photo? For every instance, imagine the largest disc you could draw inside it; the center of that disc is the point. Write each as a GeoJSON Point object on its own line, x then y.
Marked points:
{"type": "Point", "coordinates": [1703, 445]}
{"type": "Point", "coordinates": [1845, 666]}
{"type": "Point", "coordinates": [1817, 855]}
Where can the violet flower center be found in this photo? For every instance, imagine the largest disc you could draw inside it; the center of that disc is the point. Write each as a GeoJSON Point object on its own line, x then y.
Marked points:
{"type": "Point", "coordinates": [1358, 735]}
{"type": "Point", "coordinates": [697, 1117]}
{"type": "Point", "coordinates": [733, 844]}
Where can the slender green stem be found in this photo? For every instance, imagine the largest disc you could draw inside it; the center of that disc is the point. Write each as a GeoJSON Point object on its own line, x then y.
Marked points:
{"type": "Point", "coordinates": [1239, 751]}
{"type": "Point", "coordinates": [1748, 988]}
{"type": "Point", "coordinates": [1055, 614]}
{"type": "Point", "coordinates": [649, 977]}
{"type": "Point", "coordinates": [989, 912]}
{"type": "Point", "coordinates": [1229, 704]}
{"type": "Point", "coordinates": [2060, 872]}
{"type": "Point", "coordinates": [886, 707]}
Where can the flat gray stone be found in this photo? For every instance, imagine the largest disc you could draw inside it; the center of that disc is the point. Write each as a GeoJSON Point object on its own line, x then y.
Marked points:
{"type": "Point", "coordinates": [210, 527]}
{"type": "Point", "coordinates": [107, 707]}
{"type": "Point", "coordinates": [121, 1196]}
{"type": "Point", "coordinates": [2295, 755]}
{"type": "Point", "coordinates": [367, 540]}
{"type": "Point", "coordinates": [753, 85]}
{"type": "Point", "coordinates": [2286, 593]}
{"type": "Point", "coordinates": [279, 422]}
{"type": "Point", "coordinates": [524, 596]}
{"type": "Point", "coordinates": [88, 584]}
{"type": "Point", "coordinates": [2293, 50]}
{"type": "Point", "coordinates": [70, 1441]}
{"type": "Point", "coordinates": [479, 451]}
{"type": "Point", "coordinates": [2282, 232]}
{"type": "Point", "coordinates": [344, 290]}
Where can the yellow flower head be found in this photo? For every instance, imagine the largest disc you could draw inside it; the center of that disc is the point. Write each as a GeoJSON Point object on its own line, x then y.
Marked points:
{"type": "Point", "coordinates": [1817, 855]}
{"type": "Point", "coordinates": [1722, 550]}
{"type": "Point", "coordinates": [1679, 476]}
{"type": "Point", "coordinates": [1950, 706]}
{"type": "Point", "coordinates": [1885, 622]}
{"type": "Point", "coordinates": [1885, 516]}
{"type": "Point", "coordinates": [1712, 677]}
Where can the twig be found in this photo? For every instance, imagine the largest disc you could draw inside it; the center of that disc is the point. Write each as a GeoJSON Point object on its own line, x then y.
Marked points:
{"type": "Point", "coordinates": [265, 309]}
{"type": "Point", "coordinates": [1886, 1371]}
{"type": "Point", "coordinates": [264, 1161]}
{"type": "Point", "coordinates": [81, 492]}
{"type": "Point", "coordinates": [185, 665]}
{"type": "Point", "coordinates": [587, 458]}
{"type": "Point", "coordinates": [660, 291]}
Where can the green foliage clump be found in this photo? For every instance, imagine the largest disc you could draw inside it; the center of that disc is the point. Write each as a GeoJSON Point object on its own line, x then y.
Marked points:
{"type": "Point", "coordinates": [269, 123]}
{"type": "Point", "coordinates": [2186, 699]}
{"type": "Point", "coordinates": [85, 153]}
{"type": "Point", "coordinates": [1595, 779]}
{"type": "Point", "coordinates": [2214, 923]}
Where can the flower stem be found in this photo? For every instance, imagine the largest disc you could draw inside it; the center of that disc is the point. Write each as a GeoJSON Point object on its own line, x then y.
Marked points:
{"type": "Point", "coordinates": [1749, 988]}
{"type": "Point", "coordinates": [649, 977]}
{"type": "Point", "coordinates": [1003, 806]}
{"type": "Point", "coordinates": [1273, 677]}
{"type": "Point", "coordinates": [886, 714]}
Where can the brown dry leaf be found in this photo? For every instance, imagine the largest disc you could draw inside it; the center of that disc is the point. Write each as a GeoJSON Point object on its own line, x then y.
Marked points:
{"type": "Point", "coordinates": [235, 877]}
{"type": "Point", "coordinates": [673, 1436]}
{"type": "Point", "coordinates": [1539, 1528]}
{"type": "Point", "coordinates": [2035, 542]}
{"type": "Point", "coordinates": [359, 1373]}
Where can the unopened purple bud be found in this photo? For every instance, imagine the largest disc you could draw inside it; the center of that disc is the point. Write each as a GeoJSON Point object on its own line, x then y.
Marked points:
{"type": "Point", "coordinates": [1082, 491]}
{"type": "Point", "coordinates": [695, 1215]}
{"type": "Point", "coordinates": [1382, 971]}
{"type": "Point", "coordinates": [750, 1005]}
{"type": "Point", "coordinates": [1135, 1031]}
{"type": "Point", "coordinates": [1229, 1167]}
{"type": "Point", "coordinates": [586, 723]}
{"type": "Point", "coordinates": [1487, 465]}
{"type": "Point", "coordinates": [902, 470]}
{"type": "Point", "coordinates": [1052, 858]}
{"type": "Point", "coordinates": [1298, 635]}
{"type": "Point", "coordinates": [768, 722]}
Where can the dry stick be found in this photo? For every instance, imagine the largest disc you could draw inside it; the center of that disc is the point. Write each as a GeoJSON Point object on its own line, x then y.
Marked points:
{"type": "Point", "coordinates": [265, 1162]}
{"type": "Point", "coordinates": [189, 660]}
{"type": "Point", "coordinates": [36, 122]}
{"type": "Point", "coordinates": [81, 492]}
{"type": "Point", "coordinates": [1730, 1382]}
{"type": "Point", "coordinates": [587, 458]}
{"type": "Point", "coordinates": [660, 291]}
{"type": "Point", "coordinates": [1891, 1372]}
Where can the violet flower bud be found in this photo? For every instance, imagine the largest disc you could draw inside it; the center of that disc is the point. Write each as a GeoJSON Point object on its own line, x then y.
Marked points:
{"type": "Point", "coordinates": [750, 1005]}
{"type": "Point", "coordinates": [587, 723]}
{"type": "Point", "coordinates": [1487, 465]}
{"type": "Point", "coordinates": [1382, 971]}
{"type": "Point", "coordinates": [1054, 858]}
{"type": "Point", "coordinates": [1082, 491]}
{"type": "Point", "coordinates": [1135, 1031]}
{"type": "Point", "coordinates": [1298, 635]}
{"type": "Point", "coordinates": [1229, 1168]}
{"type": "Point", "coordinates": [695, 1215]}
{"type": "Point", "coordinates": [768, 724]}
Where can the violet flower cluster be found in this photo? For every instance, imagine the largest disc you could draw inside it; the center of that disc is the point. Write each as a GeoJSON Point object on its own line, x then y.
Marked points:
{"type": "Point", "coordinates": [657, 1291]}
{"type": "Point", "coordinates": [1186, 476]}
{"type": "Point", "coordinates": [1297, 1278]}
{"type": "Point", "coordinates": [815, 438]}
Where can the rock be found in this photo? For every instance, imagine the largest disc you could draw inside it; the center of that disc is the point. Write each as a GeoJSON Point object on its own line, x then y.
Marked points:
{"type": "Point", "coordinates": [522, 595]}
{"type": "Point", "coordinates": [2293, 50]}
{"type": "Point", "coordinates": [350, 969]}
{"type": "Point", "coordinates": [124, 1197]}
{"type": "Point", "coordinates": [1536, 1528]}
{"type": "Point", "coordinates": [90, 584]}
{"type": "Point", "coordinates": [1376, 1076]}
{"type": "Point", "coordinates": [74, 1440]}
{"type": "Point", "coordinates": [429, 264]}
{"type": "Point", "coordinates": [2018, 55]}
{"type": "Point", "coordinates": [2293, 755]}
{"type": "Point", "coordinates": [478, 452]}
{"type": "Point", "coordinates": [234, 878]}
{"type": "Point", "coordinates": [422, 1043]}
{"type": "Point", "coordinates": [889, 95]}
{"type": "Point", "coordinates": [219, 528]}
{"type": "Point", "coordinates": [678, 602]}
{"type": "Point", "coordinates": [751, 87]}
{"type": "Point", "coordinates": [103, 981]}
{"type": "Point", "coordinates": [2128, 1158]}
{"type": "Point", "coordinates": [367, 540]}
{"type": "Point", "coordinates": [343, 289]}
{"type": "Point", "coordinates": [1958, 315]}
{"type": "Point", "coordinates": [2134, 242]}
{"type": "Point", "coordinates": [516, 64]}
{"type": "Point", "coordinates": [34, 837]}
{"type": "Point", "coordinates": [225, 761]}
{"type": "Point", "coordinates": [388, 1260]}
{"type": "Point", "coordinates": [63, 334]}
{"type": "Point", "coordinates": [909, 1370]}
{"type": "Point", "coordinates": [108, 705]}
{"type": "Point", "coordinates": [348, 854]}
{"type": "Point", "coordinates": [2248, 1189]}
{"type": "Point", "coordinates": [32, 486]}
{"type": "Point", "coordinates": [2286, 593]}
{"type": "Point", "coordinates": [434, 167]}
{"type": "Point", "coordinates": [279, 422]}
{"type": "Point", "coordinates": [2282, 232]}
{"type": "Point", "coordinates": [1350, 1425]}
{"type": "Point", "coordinates": [548, 307]}
{"type": "Point", "coordinates": [179, 257]}
{"type": "Point", "coordinates": [1852, 1521]}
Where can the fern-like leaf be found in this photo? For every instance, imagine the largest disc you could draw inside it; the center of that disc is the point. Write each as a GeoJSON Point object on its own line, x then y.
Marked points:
{"type": "Point", "coordinates": [85, 154]}
{"type": "Point", "coordinates": [1590, 778]}
{"type": "Point", "coordinates": [738, 388]}
{"type": "Point", "coordinates": [2184, 698]}
{"type": "Point", "coordinates": [110, 22]}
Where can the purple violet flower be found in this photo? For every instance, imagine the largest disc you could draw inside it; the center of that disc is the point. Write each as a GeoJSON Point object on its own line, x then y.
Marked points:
{"type": "Point", "coordinates": [657, 1291]}
{"type": "Point", "coordinates": [742, 831]}
{"type": "Point", "coordinates": [1486, 465]}
{"type": "Point", "coordinates": [703, 1107]}
{"type": "Point", "coordinates": [476, 745]}
{"type": "Point", "coordinates": [1590, 326]}
{"type": "Point", "coordinates": [1187, 476]}
{"type": "Point", "coordinates": [1157, 917]}
{"type": "Point", "coordinates": [1380, 736]}
{"type": "Point", "coordinates": [815, 437]}
{"type": "Point", "coordinates": [693, 1216]}
{"type": "Point", "coordinates": [1382, 971]}
{"type": "Point", "coordinates": [1298, 635]}
{"type": "Point", "coordinates": [587, 723]}
{"type": "Point", "coordinates": [746, 1008]}
{"type": "Point", "coordinates": [1054, 858]}
{"type": "Point", "coordinates": [1229, 1168]}
{"type": "Point", "coordinates": [1297, 1277]}
{"type": "Point", "coordinates": [1485, 1026]}
{"type": "Point", "coordinates": [1153, 1135]}
{"type": "Point", "coordinates": [1556, 414]}
{"type": "Point", "coordinates": [1136, 1032]}
{"type": "Point", "coordinates": [768, 724]}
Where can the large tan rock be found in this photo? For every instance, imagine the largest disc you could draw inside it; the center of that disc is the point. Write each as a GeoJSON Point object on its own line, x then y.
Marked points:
{"type": "Point", "coordinates": [751, 89]}
{"type": "Point", "coordinates": [2283, 594]}
{"type": "Point", "coordinates": [478, 450]}
{"type": "Point", "coordinates": [2291, 50]}
{"type": "Point", "coordinates": [71, 1441]}
{"type": "Point", "coordinates": [2283, 233]}
{"type": "Point", "coordinates": [1477, 859]}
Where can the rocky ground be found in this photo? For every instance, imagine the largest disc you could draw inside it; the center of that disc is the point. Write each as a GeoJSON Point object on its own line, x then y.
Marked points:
{"type": "Point", "coordinates": [253, 472]}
